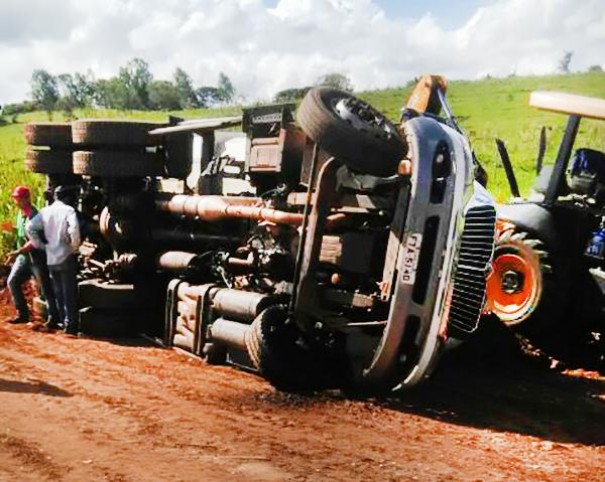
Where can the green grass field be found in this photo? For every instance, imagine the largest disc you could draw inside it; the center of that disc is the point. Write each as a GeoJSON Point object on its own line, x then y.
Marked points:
{"type": "Point", "coordinates": [493, 108]}
{"type": "Point", "coordinates": [486, 109]}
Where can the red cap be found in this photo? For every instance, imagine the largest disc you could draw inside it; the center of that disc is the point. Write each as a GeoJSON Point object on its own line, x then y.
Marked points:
{"type": "Point", "coordinates": [21, 191]}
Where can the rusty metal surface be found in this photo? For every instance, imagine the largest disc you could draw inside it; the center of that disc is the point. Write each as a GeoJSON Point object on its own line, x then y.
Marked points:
{"type": "Point", "coordinates": [268, 154]}
{"type": "Point", "coordinates": [217, 208]}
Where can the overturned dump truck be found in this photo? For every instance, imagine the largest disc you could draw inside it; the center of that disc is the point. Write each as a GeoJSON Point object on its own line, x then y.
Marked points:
{"type": "Point", "coordinates": [327, 249]}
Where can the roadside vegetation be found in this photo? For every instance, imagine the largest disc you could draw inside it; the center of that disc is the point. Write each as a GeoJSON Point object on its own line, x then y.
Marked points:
{"type": "Point", "coordinates": [486, 109]}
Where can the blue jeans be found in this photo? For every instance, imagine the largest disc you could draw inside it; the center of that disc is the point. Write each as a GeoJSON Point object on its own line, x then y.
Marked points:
{"type": "Point", "coordinates": [65, 285]}
{"type": "Point", "coordinates": [24, 267]}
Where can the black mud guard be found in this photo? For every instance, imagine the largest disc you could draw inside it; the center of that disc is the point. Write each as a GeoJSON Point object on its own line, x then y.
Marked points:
{"type": "Point", "coordinates": [532, 218]}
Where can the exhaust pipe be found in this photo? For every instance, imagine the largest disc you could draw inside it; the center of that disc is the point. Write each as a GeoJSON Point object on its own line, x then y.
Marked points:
{"type": "Point", "coordinates": [216, 208]}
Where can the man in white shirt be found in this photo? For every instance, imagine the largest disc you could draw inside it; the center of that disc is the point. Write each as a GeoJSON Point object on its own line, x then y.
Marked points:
{"type": "Point", "coordinates": [56, 229]}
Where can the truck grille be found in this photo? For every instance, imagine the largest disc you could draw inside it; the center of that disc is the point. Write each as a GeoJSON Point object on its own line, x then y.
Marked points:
{"type": "Point", "coordinates": [475, 253]}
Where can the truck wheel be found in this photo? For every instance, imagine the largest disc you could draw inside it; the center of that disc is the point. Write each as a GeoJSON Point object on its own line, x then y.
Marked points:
{"type": "Point", "coordinates": [112, 133]}
{"type": "Point", "coordinates": [48, 162]}
{"type": "Point", "coordinates": [352, 131]}
{"type": "Point", "coordinates": [525, 290]}
{"type": "Point", "coordinates": [53, 134]}
{"type": "Point", "coordinates": [281, 356]}
{"type": "Point", "coordinates": [272, 347]}
{"type": "Point", "coordinates": [117, 164]}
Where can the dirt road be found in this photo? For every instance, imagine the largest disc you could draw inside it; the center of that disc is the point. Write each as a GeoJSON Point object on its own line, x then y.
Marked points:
{"type": "Point", "coordinates": [74, 409]}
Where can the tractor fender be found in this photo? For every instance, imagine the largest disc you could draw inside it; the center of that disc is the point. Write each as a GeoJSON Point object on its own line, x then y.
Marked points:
{"type": "Point", "coordinates": [532, 218]}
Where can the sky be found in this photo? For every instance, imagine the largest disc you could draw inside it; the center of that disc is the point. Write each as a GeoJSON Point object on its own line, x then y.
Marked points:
{"type": "Point", "coordinates": [268, 45]}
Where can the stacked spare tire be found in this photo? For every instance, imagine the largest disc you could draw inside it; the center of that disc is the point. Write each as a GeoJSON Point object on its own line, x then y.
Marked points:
{"type": "Point", "coordinates": [116, 149]}
{"type": "Point", "coordinates": [50, 151]}
{"type": "Point", "coordinates": [102, 148]}
{"type": "Point", "coordinates": [110, 161]}
{"type": "Point", "coordinates": [105, 148]}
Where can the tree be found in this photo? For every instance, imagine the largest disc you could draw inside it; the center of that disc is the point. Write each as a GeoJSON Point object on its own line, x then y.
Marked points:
{"type": "Point", "coordinates": [14, 110]}
{"type": "Point", "coordinates": [69, 98]}
{"type": "Point", "coordinates": [111, 94]}
{"type": "Point", "coordinates": [336, 81]}
{"type": "Point", "coordinates": [136, 78]}
{"type": "Point", "coordinates": [565, 61]}
{"type": "Point", "coordinates": [208, 96]}
{"type": "Point", "coordinates": [184, 87]}
{"type": "Point", "coordinates": [45, 92]}
{"type": "Point", "coordinates": [67, 106]}
{"type": "Point", "coordinates": [291, 95]}
{"type": "Point", "coordinates": [164, 95]}
{"type": "Point", "coordinates": [595, 68]}
{"type": "Point", "coordinates": [225, 88]}
{"type": "Point", "coordinates": [85, 88]}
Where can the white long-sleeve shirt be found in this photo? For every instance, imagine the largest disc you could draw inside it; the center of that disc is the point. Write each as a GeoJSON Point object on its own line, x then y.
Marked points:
{"type": "Point", "coordinates": [59, 223]}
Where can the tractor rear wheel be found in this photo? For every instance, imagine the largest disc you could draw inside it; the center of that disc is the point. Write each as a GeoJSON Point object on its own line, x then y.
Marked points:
{"type": "Point", "coordinates": [525, 289]}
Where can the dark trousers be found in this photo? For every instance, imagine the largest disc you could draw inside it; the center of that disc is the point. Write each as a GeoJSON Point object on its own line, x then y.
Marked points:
{"type": "Point", "coordinates": [24, 267]}
{"type": "Point", "coordinates": [65, 285]}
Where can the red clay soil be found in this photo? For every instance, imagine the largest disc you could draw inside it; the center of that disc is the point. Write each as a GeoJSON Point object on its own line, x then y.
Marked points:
{"type": "Point", "coordinates": [76, 409]}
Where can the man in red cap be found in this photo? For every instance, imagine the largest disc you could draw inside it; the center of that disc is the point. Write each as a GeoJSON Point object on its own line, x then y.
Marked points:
{"type": "Point", "coordinates": [28, 261]}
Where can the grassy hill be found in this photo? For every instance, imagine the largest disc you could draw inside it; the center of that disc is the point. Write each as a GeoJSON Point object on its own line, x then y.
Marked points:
{"type": "Point", "coordinates": [492, 108]}
{"type": "Point", "coordinates": [486, 109]}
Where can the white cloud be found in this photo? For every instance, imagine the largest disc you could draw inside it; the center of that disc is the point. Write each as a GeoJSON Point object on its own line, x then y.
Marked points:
{"type": "Point", "coordinates": [264, 50]}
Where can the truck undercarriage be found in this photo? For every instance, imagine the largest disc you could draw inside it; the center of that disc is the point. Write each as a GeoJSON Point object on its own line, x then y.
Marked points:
{"type": "Point", "coordinates": [336, 251]}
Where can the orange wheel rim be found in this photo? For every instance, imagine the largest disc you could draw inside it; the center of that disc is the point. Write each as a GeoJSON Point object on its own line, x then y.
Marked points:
{"type": "Point", "coordinates": [514, 286]}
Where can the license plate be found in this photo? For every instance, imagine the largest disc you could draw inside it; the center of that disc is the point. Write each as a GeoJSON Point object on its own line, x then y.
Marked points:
{"type": "Point", "coordinates": [411, 253]}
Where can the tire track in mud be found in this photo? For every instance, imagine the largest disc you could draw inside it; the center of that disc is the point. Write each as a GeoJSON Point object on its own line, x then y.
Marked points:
{"type": "Point", "coordinates": [205, 417]}
{"type": "Point", "coordinates": [288, 401]}
{"type": "Point", "coordinates": [30, 456]}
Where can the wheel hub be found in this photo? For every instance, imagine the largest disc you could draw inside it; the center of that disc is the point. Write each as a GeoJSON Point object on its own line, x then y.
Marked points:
{"type": "Point", "coordinates": [363, 117]}
{"type": "Point", "coordinates": [512, 282]}
{"type": "Point", "coordinates": [515, 286]}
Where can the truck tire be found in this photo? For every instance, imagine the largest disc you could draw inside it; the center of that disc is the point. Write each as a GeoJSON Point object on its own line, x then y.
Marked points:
{"type": "Point", "coordinates": [272, 349]}
{"type": "Point", "coordinates": [352, 131]}
{"type": "Point", "coordinates": [276, 351]}
{"type": "Point", "coordinates": [49, 162]}
{"type": "Point", "coordinates": [114, 133]}
{"type": "Point", "coordinates": [526, 289]}
{"type": "Point", "coordinates": [100, 294]}
{"type": "Point", "coordinates": [117, 164]}
{"type": "Point", "coordinates": [52, 134]}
